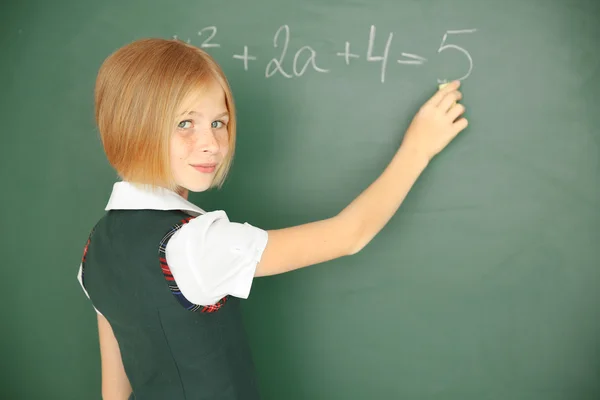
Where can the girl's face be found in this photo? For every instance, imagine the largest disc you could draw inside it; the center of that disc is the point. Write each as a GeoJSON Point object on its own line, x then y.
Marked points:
{"type": "Point", "coordinates": [200, 141]}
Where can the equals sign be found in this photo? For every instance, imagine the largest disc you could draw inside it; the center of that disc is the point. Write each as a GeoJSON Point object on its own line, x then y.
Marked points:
{"type": "Point", "coordinates": [415, 59]}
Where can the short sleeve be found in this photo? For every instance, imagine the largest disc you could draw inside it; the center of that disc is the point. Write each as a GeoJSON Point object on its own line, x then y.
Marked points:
{"type": "Point", "coordinates": [80, 279]}
{"type": "Point", "coordinates": [211, 257]}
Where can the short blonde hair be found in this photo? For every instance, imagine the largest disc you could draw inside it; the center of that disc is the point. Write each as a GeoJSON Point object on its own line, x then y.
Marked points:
{"type": "Point", "coordinates": [139, 90]}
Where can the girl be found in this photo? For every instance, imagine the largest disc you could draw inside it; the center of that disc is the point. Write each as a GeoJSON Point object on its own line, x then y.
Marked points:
{"type": "Point", "coordinates": [166, 277]}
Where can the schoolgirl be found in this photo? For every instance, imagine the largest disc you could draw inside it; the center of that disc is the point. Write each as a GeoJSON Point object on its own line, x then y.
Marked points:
{"type": "Point", "coordinates": [166, 278]}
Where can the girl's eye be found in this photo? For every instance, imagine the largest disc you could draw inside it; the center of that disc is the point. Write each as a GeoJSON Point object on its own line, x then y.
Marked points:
{"type": "Point", "coordinates": [185, 124]}
{"type": "Point", "coordinates": [217, 124]}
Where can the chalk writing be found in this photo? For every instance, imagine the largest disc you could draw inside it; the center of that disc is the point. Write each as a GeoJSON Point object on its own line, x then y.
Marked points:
{"type": "Point", "coordinates": [414, 59]}
{"type": "Point", "coordinates": [305, 57]}
{"type": "Point", "coordinates": [444, 46]}
{"type": "Point", "coordinates": [347, 55]}
{"type": "Point", "coordinates": [275, 64]}
{"type": "Point", "coordinates": [206, 43]}
{"type": "Point", "coordinates": [382, 58]}
{"type": "Point", "coordinates": [245, 57]}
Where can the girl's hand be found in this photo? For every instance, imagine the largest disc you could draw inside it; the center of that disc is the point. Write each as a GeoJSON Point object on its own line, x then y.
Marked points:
{"type": "Point", "coordinates": [436, 123]}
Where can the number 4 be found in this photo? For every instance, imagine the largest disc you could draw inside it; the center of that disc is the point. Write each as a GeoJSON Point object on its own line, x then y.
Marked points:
{"type": "Point", "coordinates": [444, 46]}
{"type": "Point", "coordinates": [384, 57]}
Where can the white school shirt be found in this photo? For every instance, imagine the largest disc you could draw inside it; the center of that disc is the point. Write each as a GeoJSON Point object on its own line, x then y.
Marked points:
{"type": "Point", "coordinates": [209, 257]}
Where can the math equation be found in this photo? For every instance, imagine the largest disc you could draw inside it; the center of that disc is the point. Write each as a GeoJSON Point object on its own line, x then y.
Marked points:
{"type": "Point", "coordinates": [305, 57]}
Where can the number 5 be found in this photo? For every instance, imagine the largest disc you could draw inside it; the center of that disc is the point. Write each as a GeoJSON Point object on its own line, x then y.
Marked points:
{"type": "Point", "coordinates": [444, 46]}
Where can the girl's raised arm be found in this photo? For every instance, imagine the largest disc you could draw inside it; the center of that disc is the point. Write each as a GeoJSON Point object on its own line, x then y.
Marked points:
{"type": "Point", "coordinates": [436, 123]}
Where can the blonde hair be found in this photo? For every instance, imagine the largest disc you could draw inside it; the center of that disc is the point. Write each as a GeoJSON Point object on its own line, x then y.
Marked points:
{"type": "Point", "coordinates": [139, 90]}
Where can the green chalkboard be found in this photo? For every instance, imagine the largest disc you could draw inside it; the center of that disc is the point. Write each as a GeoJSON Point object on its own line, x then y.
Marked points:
{"type": "Point", "coordinates": [484, 286]}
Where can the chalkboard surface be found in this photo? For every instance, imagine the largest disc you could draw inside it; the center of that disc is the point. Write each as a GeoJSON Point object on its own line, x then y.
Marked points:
{"type": "Point", "coordinates": [484, 286]}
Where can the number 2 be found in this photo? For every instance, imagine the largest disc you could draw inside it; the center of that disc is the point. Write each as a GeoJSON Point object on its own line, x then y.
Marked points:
{"type": "Point", "coordinates": [444, 46]}
{"type": "Point", "coordinates": [205, 44]}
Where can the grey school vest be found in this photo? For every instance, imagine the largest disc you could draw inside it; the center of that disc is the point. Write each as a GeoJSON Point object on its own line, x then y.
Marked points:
{"type": "Point", "coordinates": [171, 349]}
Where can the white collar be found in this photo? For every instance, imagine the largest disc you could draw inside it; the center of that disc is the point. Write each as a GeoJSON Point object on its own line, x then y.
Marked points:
{"type": "Point", "coordinates": [129, 196]}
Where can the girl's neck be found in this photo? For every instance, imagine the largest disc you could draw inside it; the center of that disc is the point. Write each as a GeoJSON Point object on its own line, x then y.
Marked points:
{"type": "Point", "coordinates": [183, 192]}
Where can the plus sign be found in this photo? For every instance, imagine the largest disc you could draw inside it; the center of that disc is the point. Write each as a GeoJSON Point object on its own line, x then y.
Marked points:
{"type": "Point", "coordinates": [244, 57]}
{"type": "Point", "coordinates": [347, 55]}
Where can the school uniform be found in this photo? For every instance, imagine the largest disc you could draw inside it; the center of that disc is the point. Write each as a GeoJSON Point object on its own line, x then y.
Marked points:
{"type": "Point", "coordinates": [169, 277]}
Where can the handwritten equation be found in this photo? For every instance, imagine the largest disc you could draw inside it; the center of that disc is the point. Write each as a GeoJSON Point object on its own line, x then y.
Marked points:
{"type": "Point", "coordinates": [306, 57]}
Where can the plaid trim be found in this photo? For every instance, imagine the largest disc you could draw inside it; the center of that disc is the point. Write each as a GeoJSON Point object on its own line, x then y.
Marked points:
{"type": "Point", "coordinates": [171, 280]}
{"type": "Point", "coordinates": [84, 256]}
{"type": "Point", "coordinates": [85, 249]}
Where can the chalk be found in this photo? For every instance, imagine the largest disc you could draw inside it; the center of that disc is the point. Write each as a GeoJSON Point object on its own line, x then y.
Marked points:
{"type": "Point", "coordinates": [441, 86]}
